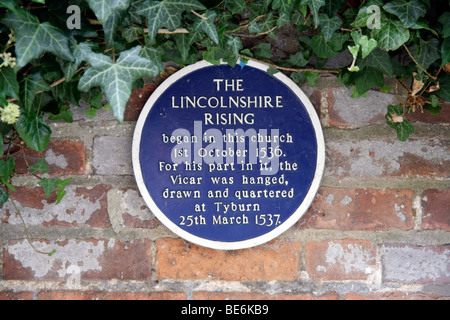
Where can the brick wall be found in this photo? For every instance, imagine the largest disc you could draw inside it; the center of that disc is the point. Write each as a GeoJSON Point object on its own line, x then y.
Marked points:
{"type": "Point", "coordinates": [379, 227]}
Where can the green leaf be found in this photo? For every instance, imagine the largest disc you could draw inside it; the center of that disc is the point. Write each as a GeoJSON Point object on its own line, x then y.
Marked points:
{"type": "Point", "coordinates": [407, 11]}
{"type": "Point", "coordinates": [166, 13]}
{"type": "Point", "coordinates": [29, 86]}
{"type": "Point", "coordinates": [444, 84]}
{"type": "Point", "coordinates": [264, 51]}
{"type": "Point", "coordinates": [207, 25]}
{"type": "Point", "coordinates": [104, 9]}
{"type": "Point", "coordinates": [235, 44]}
{"type": "Point", "coordinates": [4, 196]}
{"type": "Point", "coordinates": [379, 60]}
{"type": "Point", "coordinates": [445, 21]}
{"type": "Point", "coordinates": [329, 25]}
{"type": "Point", "coordinates": [314, 6]}
{"type": "Point", "coordinates": [116, 78]}
{"type": "Point", "coordinates": [6, 169]}
{"type": "Point", "coordinates": [41, 166]}
{"type": "Point", "coordinates": [404, 129]}
{"type": "Point", "coordinates": [64, 114]}
{"type": "Point", "coordinates": [132, 33]}
{"type": "Point", "coordinates": [48, 186]}
{"type": "Point", "coordinates": [8, 83]}
{"type": "Point", "coordinates": [367, 45]}
{"type": "Point", "coordinates": [328, 49]}
{"type": "Point", "coordinates": [434, 107]}
{"type": "Point", "coordinates": [297, 59]}
{"type": "Point", "coordinates": [426, 52]}
{"type": "Point", "coordinates": [311, 77]}
{"type": "Point", "coordinates": [34, 131]}
{"type": "Point", "coordinates": [368, 78]}
{"type": "Point", "coordinates": [445, 51]}
{"type": "Point", "coordinates": [392, 34]}
{"type": "Point", "coordinates": [154, 55]}
{"type": "Point", "coordinates": [34, 38]}
{"type": "Point", "coordinates": [1, 149]}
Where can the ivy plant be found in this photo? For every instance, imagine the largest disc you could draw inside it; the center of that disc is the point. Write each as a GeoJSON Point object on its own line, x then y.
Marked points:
{"type": "Point", "coordinates": [55, 53]}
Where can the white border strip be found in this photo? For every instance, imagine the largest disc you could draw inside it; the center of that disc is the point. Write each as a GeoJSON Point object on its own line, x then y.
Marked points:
{"type": "Point", "coordinates": [221, 244]}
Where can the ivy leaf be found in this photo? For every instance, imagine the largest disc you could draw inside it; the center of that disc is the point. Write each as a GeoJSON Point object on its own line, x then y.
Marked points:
{"type": "Point", "coordinates": [407, 11]}
{"type": "Point", "coordinates": [4, 196]}
{"type": "Point", "coordinates": [444, 84]}
{"type": "Point", "coordinates": [34, 38]}
{"type": "Point", "coordinates": [154, 55]}
{"type": "Point", "coordinates": [8, 83]}
{"type": "Point", "coordinates": [207, 25]}
{"type": "Point", "coordinates": [48, 186]}
{"type": "Point", "coordinates": [34, 131]}
{"type": "Point", "coordinates": [29, 86]}
{"type": "Point", "coordinates": [426, 52]}
{"type": "Point", "coordinates": [41, 166]}
{"type": "Point", "coordinates": [314, 5]}
{"type": "Point", "coordinates": [166, 13]}
{"type": "Point", "coordinates": [116, 78]}
{"type": "Point", "coordinates": [379, 60]}
{"type": "Point", "coordinates": [445, 51]}
{"type": "Point", "coordinates": [328, 49]}
{"type": "Point", "coordinates": [103, 9]}
{"type": "Point", "coordinates": [6, 169]}
{"type": "Point", "coordinates": [368, 78]}
{"type": "Point", "coordinates": [395, 120]}
{"type": "Point", "coordinates": [392, 34]}
{"type": "Point", "coordinates": [367, 45]}
{"type": "Point", "coordinates": [445, 21]}
{"type": "Point", "coordinates": [329, 25]}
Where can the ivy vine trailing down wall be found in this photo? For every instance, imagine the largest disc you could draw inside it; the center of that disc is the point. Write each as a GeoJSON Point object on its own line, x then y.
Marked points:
{"type": "Point", "coordinates": [57, 52]}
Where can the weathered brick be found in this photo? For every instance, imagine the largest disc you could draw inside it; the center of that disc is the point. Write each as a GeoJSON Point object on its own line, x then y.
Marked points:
{"type": "Point", "coordinates": [413, 264]}
{"type": "Point", "coordinates": [112, 156]}
{"type": "Point", "coordinates": [176, 259]}
{"type": "Point", "coordinates": [360, 209]}
{"type": "Point", "coordinates": [435, 209]}
{"type": "Point", "coordinates": [8, 295]}
{"type": "Point", "coordinates": [80, 206]}
{"type": "Point", "coordinates": [347, 259]}
{"type": "Point", "coordinates": [134, 210]}
{"type": "Point", "coordinates": [396, 295]}
{"type": "Point", "coordinates": [137, 101]}
{"type": "Point", "coordinates": [63, 157]}
{"type": "Point", "coordinates": [207, 295]}
{"type": "Point", "coordinates": [392, 158]}
{"type": "Point", "coordinates": [103, 259]}
{"type": "Point", "coordinates": [102, 295]}
{"type": "Point", "coordinates": [345, 111]}
{"type": "Point", "coordinates": [427, 117]}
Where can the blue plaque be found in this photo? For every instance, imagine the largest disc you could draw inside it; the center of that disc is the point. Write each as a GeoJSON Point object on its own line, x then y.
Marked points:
{"type": "Point", "coordinates": [228, 157]}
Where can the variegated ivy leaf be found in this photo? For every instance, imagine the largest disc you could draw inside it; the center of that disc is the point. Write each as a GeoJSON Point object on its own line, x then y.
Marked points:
{"type": "Point", "coordinates": [103, 9]}
{"type": "Point", "coordinates": [34, 38]}
{"type": "Point", "coordinates": [166, 13]}
{"type": "Point", "coordinates": [407, 11]}
{"type": "Point", "coordinates": [207, 25]}
{"type": "Point", "coordinates": [116, 78]}
{"type": "Point", "coordinates": [392, 34]}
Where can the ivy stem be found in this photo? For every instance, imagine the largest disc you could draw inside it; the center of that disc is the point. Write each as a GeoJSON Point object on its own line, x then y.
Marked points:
{"type": "Point", "coordinates": [290, 69]}
{"type": "Point", "coordinates": [421, 68]}
{"type": "Point", "coordinates": [27, 234]}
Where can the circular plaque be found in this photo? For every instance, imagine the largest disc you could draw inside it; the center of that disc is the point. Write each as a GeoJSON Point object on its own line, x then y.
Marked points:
{"type": "Point", "coordinates": [228, 157]}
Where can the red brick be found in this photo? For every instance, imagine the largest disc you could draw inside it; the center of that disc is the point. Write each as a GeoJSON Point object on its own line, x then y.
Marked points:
{"type": "Point", "coordinates": [205, 295]}
{"type": "Point", "coordinates": [176, 259]}
{"type": "Point", "coordinates": [360, 209]}
{"type": "Point", "coordinates": [137, 102]}
{"type": "Point", "coordinates": [8, 295]}
{"type": "Point", "coordinates": [435, 209]}
{"type": "Point", "coordinates": [427, 117]}
{"type": "Point", "coordinates": [102, 295]}
{"type": "Point", "coordinates": [64, 157]}
{"type": "Point", "coordinates": [135, 212]}
{"type": "Point", "coordinates": [391, 158]}
{"type": "Point", "coordinates": [396, 295]}
{"type": "Point", "coordinates": [404, 263]}
{"type": "Point", "coordinates": [103, 259]}
{"type": "Point", "coordinates": [346, 259]}
{"type": "Point", "coordinates": [80, 206]}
